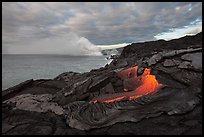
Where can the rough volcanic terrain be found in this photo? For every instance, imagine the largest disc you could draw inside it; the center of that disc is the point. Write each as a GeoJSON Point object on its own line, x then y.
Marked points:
{"type": "Point", "coordinates": [76, 103]}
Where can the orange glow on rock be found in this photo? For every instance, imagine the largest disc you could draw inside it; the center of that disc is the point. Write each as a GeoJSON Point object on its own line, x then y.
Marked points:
{"type": "Point", "coordinates": [114, 99]}
{"type": "Point", "coordinates": [143, 85]}
{"type": "Point", "coordinates": [146, 72]}
{"type": "Point", "coordinates": [128, 73]}
{"type": "Point", "coordinates": [134, 97]}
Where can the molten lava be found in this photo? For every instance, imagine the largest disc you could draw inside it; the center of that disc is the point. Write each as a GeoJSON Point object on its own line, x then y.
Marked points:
{"type": "Point", "coordinates": [134, 86]}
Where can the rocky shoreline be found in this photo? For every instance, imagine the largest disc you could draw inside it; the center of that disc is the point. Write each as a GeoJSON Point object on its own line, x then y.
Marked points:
{"type": "Point", "coordinates": [62, 105]}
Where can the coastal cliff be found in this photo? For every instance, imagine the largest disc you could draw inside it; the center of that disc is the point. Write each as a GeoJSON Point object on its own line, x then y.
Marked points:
{"type": "Point", "coordinates": [63, 105]}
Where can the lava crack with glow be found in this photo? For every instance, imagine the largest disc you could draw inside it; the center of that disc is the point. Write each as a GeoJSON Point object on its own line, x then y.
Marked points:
{"type": "Point", "coordinates": [134, 86]}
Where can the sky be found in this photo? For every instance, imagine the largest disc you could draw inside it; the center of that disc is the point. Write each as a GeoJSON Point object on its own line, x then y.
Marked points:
{"type": "Point", "coordinates": [76, 28]}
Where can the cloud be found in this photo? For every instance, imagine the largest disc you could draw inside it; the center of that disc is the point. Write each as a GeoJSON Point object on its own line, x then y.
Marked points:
{"type": "Point", "coordinates": [194, 31]}
{"type": "Point", "coordinates": [194, 28]}
{"type": "Point", "coordinates": [102, 23]}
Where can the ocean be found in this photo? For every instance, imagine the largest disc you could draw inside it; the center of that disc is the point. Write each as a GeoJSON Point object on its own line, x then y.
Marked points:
{"type": "Point", "coordinates": [18, 68]}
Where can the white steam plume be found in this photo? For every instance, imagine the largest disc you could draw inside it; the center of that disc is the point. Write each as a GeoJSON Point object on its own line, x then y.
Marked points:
{"type": "Point", "coordinates": [68, 44]}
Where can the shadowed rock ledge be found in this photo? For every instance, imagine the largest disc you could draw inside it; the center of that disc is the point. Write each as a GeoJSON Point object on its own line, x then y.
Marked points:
{"type": "Point", "coordinates": [62, 105]}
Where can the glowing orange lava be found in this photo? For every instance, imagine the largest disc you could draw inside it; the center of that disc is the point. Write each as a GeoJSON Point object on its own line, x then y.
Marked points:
{"type": "Point", "coordinates": [136, 86]}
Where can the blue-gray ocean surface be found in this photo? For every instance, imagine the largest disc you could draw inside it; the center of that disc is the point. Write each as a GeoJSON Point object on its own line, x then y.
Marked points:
{"type": "Point", "coordinates": [18, 68]}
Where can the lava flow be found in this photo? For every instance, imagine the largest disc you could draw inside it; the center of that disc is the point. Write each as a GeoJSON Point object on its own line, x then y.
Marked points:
{"type": "Point", "coordinates": [134, 86]}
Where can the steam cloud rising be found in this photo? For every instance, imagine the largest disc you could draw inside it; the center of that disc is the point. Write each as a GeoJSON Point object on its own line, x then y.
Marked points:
{"type": "Point", "coordinates": [68, 44]}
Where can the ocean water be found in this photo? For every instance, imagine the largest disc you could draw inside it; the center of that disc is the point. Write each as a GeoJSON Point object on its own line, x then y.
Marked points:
{"type": "Point", "coordinates": [18, 68]}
